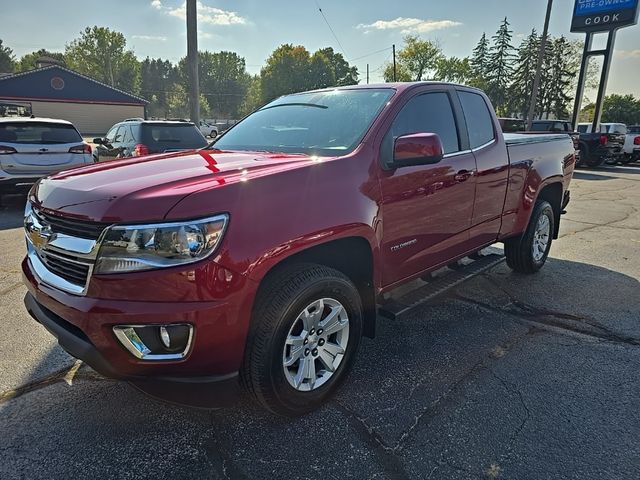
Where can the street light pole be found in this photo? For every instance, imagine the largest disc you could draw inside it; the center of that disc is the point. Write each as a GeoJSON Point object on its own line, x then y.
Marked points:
{"type": "Point", "coordinates": [192, 60]}
{"type": "Point", "coordinates": [536, 80]}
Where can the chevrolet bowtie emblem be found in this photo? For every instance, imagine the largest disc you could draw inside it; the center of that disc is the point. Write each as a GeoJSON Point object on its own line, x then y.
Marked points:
{"type": "Point", "coordinates": [38, 234]}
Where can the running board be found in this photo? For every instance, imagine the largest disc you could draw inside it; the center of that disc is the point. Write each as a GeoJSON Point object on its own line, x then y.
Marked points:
{"type": "Point", "coordinates": [398, 306]}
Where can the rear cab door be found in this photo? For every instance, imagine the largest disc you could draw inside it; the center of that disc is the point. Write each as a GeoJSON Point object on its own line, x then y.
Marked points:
{"type": "Point", "coordinates": [490, 153]}
{"type": "Point", "coordinates": [38, 148]}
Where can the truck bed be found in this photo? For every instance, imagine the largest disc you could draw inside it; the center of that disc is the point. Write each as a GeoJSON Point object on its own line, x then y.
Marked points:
{"type": "Point", "coordinates": [523, 138]}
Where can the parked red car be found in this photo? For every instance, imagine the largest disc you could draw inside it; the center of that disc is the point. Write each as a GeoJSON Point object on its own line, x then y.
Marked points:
{"type": "Point", "coordinates": [259, 259]}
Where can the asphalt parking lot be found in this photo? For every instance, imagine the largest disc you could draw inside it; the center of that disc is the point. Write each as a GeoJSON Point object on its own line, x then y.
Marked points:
{"type": "Point", "coordinates": [504, 376]}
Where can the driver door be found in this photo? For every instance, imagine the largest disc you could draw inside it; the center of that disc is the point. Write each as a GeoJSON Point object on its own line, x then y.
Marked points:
{"type": "Point", "coordinates": [427, 209]}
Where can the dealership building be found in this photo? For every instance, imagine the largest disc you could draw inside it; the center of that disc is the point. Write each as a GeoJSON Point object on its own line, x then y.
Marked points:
{"type": "Point", "coordinates": [56, 92]}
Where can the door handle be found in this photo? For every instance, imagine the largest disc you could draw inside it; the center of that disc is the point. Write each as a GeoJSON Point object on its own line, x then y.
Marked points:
{"type": "Point", "coordinates": [463, 175]}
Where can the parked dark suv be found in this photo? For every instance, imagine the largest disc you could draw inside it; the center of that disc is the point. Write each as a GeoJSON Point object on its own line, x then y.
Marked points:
{"type": "Point", "coordinates": [136, 137]}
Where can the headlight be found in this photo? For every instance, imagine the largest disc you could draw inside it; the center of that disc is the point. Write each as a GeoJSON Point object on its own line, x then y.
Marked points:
{"type": "Point", "coordinates": [132, 248]}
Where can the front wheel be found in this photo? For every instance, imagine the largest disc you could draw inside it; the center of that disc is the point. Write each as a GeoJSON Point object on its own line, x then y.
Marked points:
{"type": "Point", "coordinates": [306, 329]}
{"type": "Point", "coordinates": [528, 252]}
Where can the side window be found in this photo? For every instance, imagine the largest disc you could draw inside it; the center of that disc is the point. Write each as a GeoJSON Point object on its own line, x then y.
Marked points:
{"type": "Point", "coordinates": [112, 133]}
{"type": "Point", "coordinates": [429, 113]}
{"type": "Point", "coordinates": [125, 134]}
{"type": "Point", "coordinates": [478, 117]}
{"type": "Point", "coordinates": [117, 138]}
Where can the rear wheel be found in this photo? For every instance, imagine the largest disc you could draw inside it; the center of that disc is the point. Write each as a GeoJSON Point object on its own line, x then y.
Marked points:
{"type": "Point", "coordinates": [528, 252]}
{"type": "Point", "coordinates": [594, 160]}
{"type": "Point", "coordinates": [306, 328]}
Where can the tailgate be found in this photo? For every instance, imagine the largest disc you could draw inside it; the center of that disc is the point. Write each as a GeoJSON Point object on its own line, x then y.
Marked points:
{"type": "Point", "coordinates": [39, 159]}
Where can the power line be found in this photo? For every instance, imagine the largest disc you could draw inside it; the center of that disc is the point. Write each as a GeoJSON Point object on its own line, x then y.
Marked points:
{"type": "Point", "coordinates": [329, 25]}
{"type": "Point", "coordinates": [370, 54]}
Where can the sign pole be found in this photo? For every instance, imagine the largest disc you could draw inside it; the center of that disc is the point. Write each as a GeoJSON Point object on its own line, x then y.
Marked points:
{"type": "Point", "coordinates": [593, 17]}
{"type": "Point", "coordinates": [577, 105]}
{"type": "Point", "coordinates": [604, 77]}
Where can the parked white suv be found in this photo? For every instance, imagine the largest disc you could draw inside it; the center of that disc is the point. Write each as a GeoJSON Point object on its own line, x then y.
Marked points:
{"type": "Point", "coordinates": [31, 148]}
{"type": "Point", "coordinates": [632, 144]}
{"type": "Point", "coordinates": [208, 130]}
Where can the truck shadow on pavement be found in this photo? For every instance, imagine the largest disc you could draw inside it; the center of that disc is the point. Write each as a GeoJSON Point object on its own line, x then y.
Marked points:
{"type": "Point", "coordinates": [479, 380]}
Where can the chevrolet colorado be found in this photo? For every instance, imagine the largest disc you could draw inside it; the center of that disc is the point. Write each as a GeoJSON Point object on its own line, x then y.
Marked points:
{"type": "Point", "coordinates": [258, 260]}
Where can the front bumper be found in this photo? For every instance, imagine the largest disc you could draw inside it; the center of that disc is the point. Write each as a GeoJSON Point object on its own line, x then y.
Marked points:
{"type": "Point", "coordinates": [206, 391]}
{"type": "Point", "coordinates": [216, 303]}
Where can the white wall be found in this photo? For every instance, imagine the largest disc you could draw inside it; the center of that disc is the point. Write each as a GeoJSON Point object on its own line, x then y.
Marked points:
{"type": "Point", "coordinates": [89, 118]}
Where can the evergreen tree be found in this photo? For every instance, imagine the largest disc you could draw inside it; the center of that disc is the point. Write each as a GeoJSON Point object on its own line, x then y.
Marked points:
{"type": "Point", "coordinates": [557, 87]}
{"type": "Point", "coordinates": [499, 66]}
{"type": "Point", "coordinates": [7, 59]}
{"type": "Point", "coordinates": [523, 75]}
{"type": "Point", "coordinates": [480, 57]}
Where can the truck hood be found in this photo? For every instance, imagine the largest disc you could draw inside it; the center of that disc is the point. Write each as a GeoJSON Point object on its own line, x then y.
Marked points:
{"type": "Point", "coordinates": [143, 189]}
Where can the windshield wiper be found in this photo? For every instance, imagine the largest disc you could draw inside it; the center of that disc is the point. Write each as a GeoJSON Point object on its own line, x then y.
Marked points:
{"type": "Point", "coordinates": [295, 105]}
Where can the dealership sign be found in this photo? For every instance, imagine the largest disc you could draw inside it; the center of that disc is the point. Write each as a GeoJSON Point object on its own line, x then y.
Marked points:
{"type": "Point", "coordinates": [603, 15]}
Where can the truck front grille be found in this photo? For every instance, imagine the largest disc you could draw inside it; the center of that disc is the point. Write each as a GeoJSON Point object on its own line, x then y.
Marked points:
{"type": "Point", "coordinates": [72, 269]}
{"type": "Point", "coordinates": [73, 227]}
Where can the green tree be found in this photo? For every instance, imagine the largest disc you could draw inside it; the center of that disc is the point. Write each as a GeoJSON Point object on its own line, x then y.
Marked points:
{"type": "Point", "coordinates": [7, 60]}
{"type": "Point", "coordinates": [101, 54]}
{"type": "Point", "coordinates": [286, 71]}
{"type": "Point", "coordinates": [343, 73]}
{"type": "Point", "coordinates": [480, 57]}
{"type": "Point", "coordinates": [621, 109]}
{"type": "Point", "coordinates": [555, 92]}
{"type": "Point", "coordinates": [253, 99]}
{"type": "Point", "coordinates": [500, 67]}
{"type": "Point", "coordinates": [29, 61]}
{"type": "Point", "coordinates": [158, 78]}
{"type": "Point", "coordinates": [523, 75]}
{"type": "Point", "coordinates": [224, 81]}
{"type": "Point", "coordinates": [454, 69]}
{"type": "Point", "coordinates": [417, 60]}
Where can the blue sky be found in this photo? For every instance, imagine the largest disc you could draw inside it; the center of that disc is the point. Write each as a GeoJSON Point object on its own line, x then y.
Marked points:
{"type": "Point", "coordinates": [253, 28]}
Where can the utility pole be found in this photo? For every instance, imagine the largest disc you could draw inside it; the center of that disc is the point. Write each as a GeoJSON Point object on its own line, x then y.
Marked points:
{"type": "Point", "coordinates": [367, 74]}
{"type": "Point", "coordinates": [395, 78]}
{"type": "Point", "coordinates": [192, 61]}
{"type": "Point", "coordinates": [536, 80]}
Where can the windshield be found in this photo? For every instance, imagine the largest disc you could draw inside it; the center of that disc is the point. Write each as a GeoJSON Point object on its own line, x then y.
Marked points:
{"type": "Point", "coordinates": [38, 132]}
{"type": "Point", "coordinates": [323, 123]}
{"type": "Point", "coordinates": [634, 129]}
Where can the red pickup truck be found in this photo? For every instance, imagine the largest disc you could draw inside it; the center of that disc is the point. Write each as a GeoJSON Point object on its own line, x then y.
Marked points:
{"type": "Point", "coordinates": [259, 259]}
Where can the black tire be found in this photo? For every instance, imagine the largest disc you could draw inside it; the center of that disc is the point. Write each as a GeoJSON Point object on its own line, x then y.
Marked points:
{"type": "Point", "coordinates": [594, 160]}
{"type": "Point", "coordinates": [519, 250]}
{"type": "Point", "coordinates": [279, 302]}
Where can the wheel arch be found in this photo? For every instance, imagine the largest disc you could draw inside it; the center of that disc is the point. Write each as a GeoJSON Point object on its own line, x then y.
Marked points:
{"type": "Point", "coordinates": [552, 193]}
{"type": "Point", "coordinates": [353, 256]}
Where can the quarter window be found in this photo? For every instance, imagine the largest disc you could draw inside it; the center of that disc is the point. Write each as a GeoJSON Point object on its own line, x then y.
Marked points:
{"type": "Point", "coordinates": [478, 117]}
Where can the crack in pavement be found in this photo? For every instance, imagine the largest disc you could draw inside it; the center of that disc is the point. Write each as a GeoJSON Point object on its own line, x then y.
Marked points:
{"type": "Point", "coordinates": [63, 375]}
{"type": "Point", "coordinates": [549, 318]}
{"type": "Point", "coordinates": [546, 316]}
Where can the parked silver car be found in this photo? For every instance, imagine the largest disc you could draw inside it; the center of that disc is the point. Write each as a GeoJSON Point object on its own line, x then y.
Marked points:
{"type": "Point", "coordinates": [31, 148]}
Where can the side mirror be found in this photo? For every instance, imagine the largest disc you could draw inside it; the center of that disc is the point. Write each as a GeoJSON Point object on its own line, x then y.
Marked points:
{"type": "Point", "coordinates": [417, 149]}
{"type": "Point", "coordinates": [98, 140]}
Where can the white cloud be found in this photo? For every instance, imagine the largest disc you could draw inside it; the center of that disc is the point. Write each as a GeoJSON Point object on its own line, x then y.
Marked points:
{"type": "Point", "coordinates": [153, 38]}
{"type": "Point", "coordinates": [624, 54]}
{"type": "Point", "coordinates": [209, 15]}
{"type": "Point", "coordinates": [409, 25]}
{"type": "Point", "coordinates": [157, 4]}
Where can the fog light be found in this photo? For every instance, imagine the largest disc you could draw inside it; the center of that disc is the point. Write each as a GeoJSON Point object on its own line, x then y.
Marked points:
{"type": "Point", "coordinates": [155, 342]}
